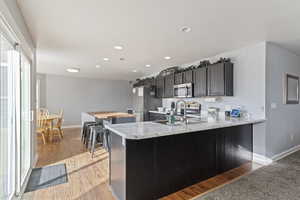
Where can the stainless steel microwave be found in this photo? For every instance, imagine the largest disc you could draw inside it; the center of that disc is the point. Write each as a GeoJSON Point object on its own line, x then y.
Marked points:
{"type": "Point", "coordinates": [183, 90]}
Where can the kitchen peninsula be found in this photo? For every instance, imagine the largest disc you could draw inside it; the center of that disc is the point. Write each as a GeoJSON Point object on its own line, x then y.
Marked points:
{"type": "Point", "coordinates": [149, 160]}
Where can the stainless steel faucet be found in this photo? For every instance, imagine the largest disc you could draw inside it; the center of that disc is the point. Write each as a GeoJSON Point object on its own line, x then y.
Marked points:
{"type": "Point", "coordinates": [184, 118]}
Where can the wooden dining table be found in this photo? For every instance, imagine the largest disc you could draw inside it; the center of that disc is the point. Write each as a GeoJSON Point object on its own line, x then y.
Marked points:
{"type": "Point", "coordinates": [50, 118]}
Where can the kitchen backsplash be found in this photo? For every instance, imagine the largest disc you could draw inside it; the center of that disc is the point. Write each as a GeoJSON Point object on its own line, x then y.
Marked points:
{"type": "Point", "coordinates": [221, 102]}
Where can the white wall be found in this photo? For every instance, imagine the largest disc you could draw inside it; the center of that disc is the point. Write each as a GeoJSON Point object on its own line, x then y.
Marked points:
{"type": "Point", "coordinates": [283, 125]}
{"type": "Point", "coordinates": [76, 95]}
{"type": "Point", "coordinates": [249, 87]}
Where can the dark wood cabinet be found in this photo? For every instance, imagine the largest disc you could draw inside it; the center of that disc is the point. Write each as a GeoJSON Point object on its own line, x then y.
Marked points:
{"type": "Point", "coordinates": [220, 79]}
{"type": "Point", "coordinates": [234, 147]}
{"type": "Point", "coordinates": [183, 77]}
{"type": "Point", "coordinates": [174, 171]}
{"type": "Point", "coordinates": [162, 165]}
{"type": "Point", "coordinates": [188, 76]}
{"type": "Point", "coordinates": [200, 82]}
{"type": "Point", "coordinates": [178, 78]}
{"type": "Point", "coordinates": [160, 86]}
{"type": "Point", "coordinates": [169, 86]}
{"type": "Point", "coordinates": [213, 80]}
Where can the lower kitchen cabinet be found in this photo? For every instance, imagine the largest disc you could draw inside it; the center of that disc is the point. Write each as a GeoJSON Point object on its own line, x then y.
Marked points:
{"type": "Point", "coordinates": [183, 160]}
{"type": "Point", "coordinates": [234, 147]}
{"type": "Point", "coordinates": [160, 166]}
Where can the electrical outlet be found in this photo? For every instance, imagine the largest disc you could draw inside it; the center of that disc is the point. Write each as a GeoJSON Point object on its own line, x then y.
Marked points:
{"type": "Point", "coordinates": [292, 137]}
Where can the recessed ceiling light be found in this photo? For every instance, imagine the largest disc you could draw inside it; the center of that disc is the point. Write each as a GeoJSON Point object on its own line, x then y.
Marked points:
{"type": "Point", "coordinates": [73, 70]}
{"type": "Point", "coordinates": [167, 57]}
{"type": "Point", "coordinates": [106, 59]}
{"type": "Point", "coordinates": [98, 66]}
{"type": "Point", "coordinates": [186, 29]}
{"type": "Point", "coordinates": [148, 65]}
{"type": "Point", "coordinates": [118, 47]}
{"type": "Point", "coordinates": [135, 71]}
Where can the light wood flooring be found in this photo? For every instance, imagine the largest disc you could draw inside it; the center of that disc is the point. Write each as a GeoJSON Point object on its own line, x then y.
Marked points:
{"type": "Point", "coordinates": [88, 178]}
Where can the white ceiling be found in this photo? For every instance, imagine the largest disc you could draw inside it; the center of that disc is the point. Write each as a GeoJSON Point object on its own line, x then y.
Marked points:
{"type": "Point", "coordinates": [81, 33]}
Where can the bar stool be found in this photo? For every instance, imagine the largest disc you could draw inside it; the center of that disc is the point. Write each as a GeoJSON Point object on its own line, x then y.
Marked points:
{"type": "Point", "coordinates": [97, 135]}
{"type": "Point", "coordinates": [85, 129]}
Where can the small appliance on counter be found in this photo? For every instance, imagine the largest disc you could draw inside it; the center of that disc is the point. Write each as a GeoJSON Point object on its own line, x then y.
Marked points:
{"type": "Point", "coordinates": [213, 114]}
{"type": "Point", "coordinates": [193, 108]}
{"type": "Point", "coordinates": [235, 113]}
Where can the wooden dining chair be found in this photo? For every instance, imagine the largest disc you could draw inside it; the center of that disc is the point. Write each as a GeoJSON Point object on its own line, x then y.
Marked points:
{"type": "Point", "coordinates": [43, 127]}
{"type": "Point", "coordinates": [58, 126]}
{"type": "Point", "coordinates": [43, 111]}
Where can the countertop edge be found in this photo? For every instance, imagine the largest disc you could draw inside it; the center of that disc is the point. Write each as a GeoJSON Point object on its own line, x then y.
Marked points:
{"type": "Point", "coordinates": [215, 126]}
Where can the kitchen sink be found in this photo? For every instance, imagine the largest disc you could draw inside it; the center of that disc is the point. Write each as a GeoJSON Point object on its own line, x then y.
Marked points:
{"type": "Point", "coordinates": [178, 122]}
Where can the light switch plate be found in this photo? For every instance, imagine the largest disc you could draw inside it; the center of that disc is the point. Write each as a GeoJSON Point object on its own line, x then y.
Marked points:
{"type": "Point", "coordinates": [273, 105]}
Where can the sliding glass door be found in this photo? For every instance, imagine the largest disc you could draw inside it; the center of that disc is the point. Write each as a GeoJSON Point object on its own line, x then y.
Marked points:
{"type": "Point", "coordinates": [15, 117]}
{"type": "Point", "coordinates": [7, 119]}
{"type": "Point", "coordinates": [25, 133]}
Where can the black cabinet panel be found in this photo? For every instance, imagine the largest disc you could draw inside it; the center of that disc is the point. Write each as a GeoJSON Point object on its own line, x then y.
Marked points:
{"type": "Point", "coordinates": [188, 76]}
{"type": "Point", "coordinates": [178, 78]}
{"type": "Point", "coordinates": [160, 85]}
{"type": "Point", "coordinates": [200, 82]}
{"type": "Point", "coordinates": [234, 147]}
{"type": "Point", "coordinates": [163, 165]}
{"type": "Point", "coordinates": [220, 79]}
{"type": "Point", "coordinates": [139, 174]}
{"type": "Point", "coordinates": [216, 81]}
{"type": "Point", "coordinates": [177, 163]}
{"type": "Point", "coordinates": [169, 86]}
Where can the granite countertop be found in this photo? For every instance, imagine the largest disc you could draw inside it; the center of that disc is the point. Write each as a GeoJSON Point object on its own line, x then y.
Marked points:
{"type": "Point", "coordinates": [106, 115]}
{"type": "Point", "coordinates": [144, 130]}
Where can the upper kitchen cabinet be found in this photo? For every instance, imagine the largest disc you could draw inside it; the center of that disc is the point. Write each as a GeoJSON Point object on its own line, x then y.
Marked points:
{"type": "Point", "coordinates": [220, 79]}
{"type": "Point", "coordinates": [183, 77]}
{"type": "Point", "coordinates": [200, 82]}
{"type": "Point", "coordinates": [178, 78]}
{"type": "Point", "coordinates": [169, 86]}
{"type": "Point", "coordinates": [188, 76]}
{"type": "Point", "coordinates": [160, 86]}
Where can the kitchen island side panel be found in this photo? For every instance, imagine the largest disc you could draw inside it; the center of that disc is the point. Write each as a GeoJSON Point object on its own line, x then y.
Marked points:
{"type": "Point", "coordinates": [160, 166]}
{"type": "Point", "coordinates": [117, 166]}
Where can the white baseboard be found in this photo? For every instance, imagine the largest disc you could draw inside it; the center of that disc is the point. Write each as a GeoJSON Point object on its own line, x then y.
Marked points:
{"type": "Point", "coordinates": [286, 153]}
{"type": "Point", "coordinates": [260, 159]}
{"type": "Point", "coordinates": [263, 160]}
{"type": "Point", "coordinates": [72, 126]}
